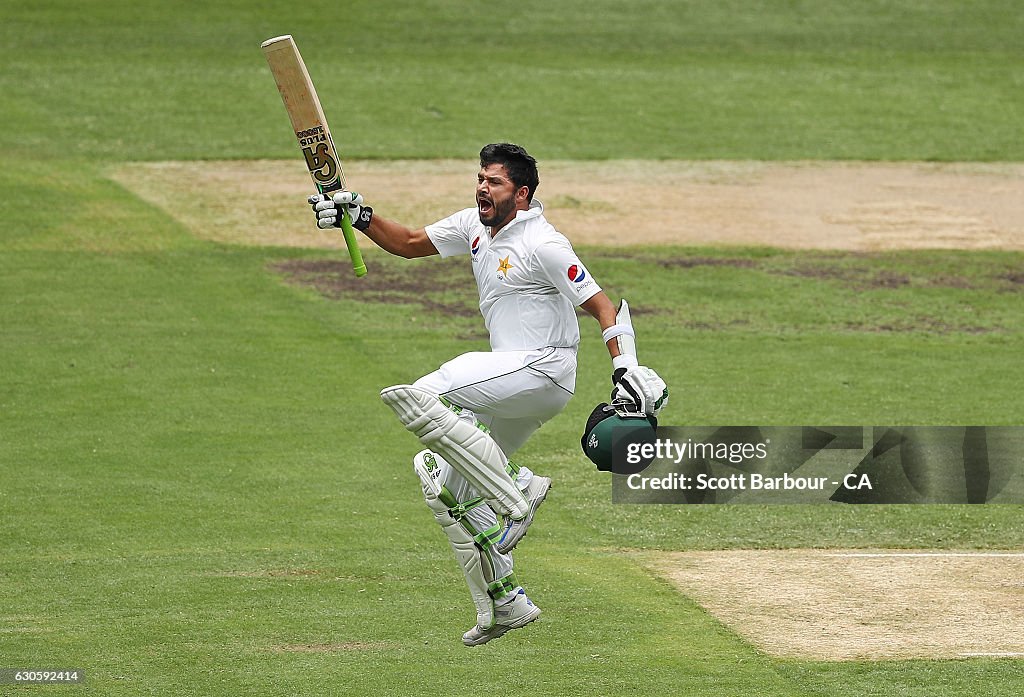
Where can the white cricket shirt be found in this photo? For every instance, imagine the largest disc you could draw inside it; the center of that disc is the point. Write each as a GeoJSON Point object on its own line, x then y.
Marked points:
{"type": "Point", "coordinates": [530, 279]}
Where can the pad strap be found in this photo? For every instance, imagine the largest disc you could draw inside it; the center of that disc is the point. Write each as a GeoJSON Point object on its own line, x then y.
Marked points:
{"type": "Point", "coordinates": [458, 510]}
{"type": "Point", "coordinates": [502, 587]}
{"type": "Point", "coordinates": [488, 538]}
{"type": "Point", "coordinates": [456, 409]}
{"type": "Point", "coordinates": [512, 468]}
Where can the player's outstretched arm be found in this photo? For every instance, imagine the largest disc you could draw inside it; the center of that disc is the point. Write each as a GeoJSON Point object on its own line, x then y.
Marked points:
{"type": "Point", "coordinates": [386, 234]}
{"type": "Point", "coordinates": [400, 240]}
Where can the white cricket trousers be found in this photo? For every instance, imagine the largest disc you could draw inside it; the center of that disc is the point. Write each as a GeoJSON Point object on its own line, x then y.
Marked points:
{"type": "Point", "coordinates": [510, 392]}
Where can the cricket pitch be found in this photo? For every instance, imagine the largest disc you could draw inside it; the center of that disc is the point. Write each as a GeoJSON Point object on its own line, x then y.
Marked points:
{"type": "Point", "coordinates": [859, 604]}
{"type": "Point", "coordinates": [800, 205]}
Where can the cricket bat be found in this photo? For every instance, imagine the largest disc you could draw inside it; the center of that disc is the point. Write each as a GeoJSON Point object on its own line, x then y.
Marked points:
{"type": "Point", "coordinates": [310, 126]}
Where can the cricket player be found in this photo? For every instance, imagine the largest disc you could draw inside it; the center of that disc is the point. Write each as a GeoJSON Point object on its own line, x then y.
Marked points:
{"type": "Point", "coordinates": [477, 409]}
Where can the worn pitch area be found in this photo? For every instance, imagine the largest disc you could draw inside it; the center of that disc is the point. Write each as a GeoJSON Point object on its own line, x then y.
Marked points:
{"type": "Point", "coordinates": [849, 605]}
{"type": "Point", "coordinates": [808, 205]}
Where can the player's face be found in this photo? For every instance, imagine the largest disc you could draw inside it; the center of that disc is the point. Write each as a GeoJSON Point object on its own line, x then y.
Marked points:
{"type": "Point", "coordinates": [497, 199]}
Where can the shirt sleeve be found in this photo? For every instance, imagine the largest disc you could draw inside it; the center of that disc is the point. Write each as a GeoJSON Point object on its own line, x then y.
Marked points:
{"type": "Point", "coordinates": [559, 263]}
{"type": "Point", "coordinates": [451, 235]}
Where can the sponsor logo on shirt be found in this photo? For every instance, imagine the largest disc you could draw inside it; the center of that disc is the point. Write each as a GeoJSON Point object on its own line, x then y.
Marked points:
{"type": "Point", "coordinates": [576, 273]}
{"type": "Point", "coordinates": [475, 247]}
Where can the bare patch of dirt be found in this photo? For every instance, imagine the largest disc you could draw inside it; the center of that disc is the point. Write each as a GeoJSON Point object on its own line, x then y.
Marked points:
{"type": "Point", "coordinates": [920, 324]}
{"type": "Point", "coordinates": [340, 647]}
{"type": "Point", "coordinates": [694, 262]}
{"type": "Point", "coordinates": [808, 205]}
{"type": "Point", "coordinates": [1014, 278]}
{"type": "Point", "coordinates": [854, 277]}
{"type": "Point", "coordinates": [427, 286]}
{"type": "Point", "coordinates": [270, 573]}
{"type": "Point", "coordinates": [958, 282]}
{"type": "Point", "coordinates": [850, 605]}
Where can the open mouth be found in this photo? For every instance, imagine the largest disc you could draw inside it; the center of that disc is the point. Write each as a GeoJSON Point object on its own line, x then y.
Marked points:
{"type": "Point", "coordinates": [484, 206]}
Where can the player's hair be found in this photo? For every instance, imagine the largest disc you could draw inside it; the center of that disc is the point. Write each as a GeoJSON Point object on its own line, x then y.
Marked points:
{"type": "Point", "coordinates": [521, 167]}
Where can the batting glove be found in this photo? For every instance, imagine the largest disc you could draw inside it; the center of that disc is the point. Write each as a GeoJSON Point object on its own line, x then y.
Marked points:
{"type": "Point", "coordinates": [328, 209]}
{"type": "Point", "coordinates": [638, 391]}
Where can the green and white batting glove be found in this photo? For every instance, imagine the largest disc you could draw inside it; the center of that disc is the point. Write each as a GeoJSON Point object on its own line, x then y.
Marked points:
{"type": "Point", "coordinates": [638, 391]}
{"type": "Point", "coordinates": [328, 209]}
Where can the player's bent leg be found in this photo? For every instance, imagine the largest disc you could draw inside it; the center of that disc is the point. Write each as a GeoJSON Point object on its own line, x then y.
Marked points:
{"type": "Point", "coordinates": [471, 451]}
{"type": "Point", "coordinates": [510, 394]}
{"type": "Point", "coordinates": [471, 528]}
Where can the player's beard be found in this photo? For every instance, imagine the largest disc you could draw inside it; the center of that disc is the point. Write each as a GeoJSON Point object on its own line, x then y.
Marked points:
{"type": "Point", "coordinates": [500, 212]}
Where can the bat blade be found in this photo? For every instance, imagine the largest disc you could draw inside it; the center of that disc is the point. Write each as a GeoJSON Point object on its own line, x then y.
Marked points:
{"type": "Point", "coordinates": [305, 112]}
{"type": "Point", "coordinates": [310, 127]}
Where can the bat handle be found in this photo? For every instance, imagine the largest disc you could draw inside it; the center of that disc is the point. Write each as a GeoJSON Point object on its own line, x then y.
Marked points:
{"type": "Point", "coordinates": [350, 241]}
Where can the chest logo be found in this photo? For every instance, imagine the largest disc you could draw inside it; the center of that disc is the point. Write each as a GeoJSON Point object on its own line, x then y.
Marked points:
{"type": "Point", "coordinates": [475, 247]}
{"type": "Point", "coordinates": [504, 267]}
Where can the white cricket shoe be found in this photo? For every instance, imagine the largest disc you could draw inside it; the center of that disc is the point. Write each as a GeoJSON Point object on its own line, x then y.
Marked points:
{"type": "Point", "coordinates": [515, 530]}
{"type": "Point", "coordinates": [519, 612]}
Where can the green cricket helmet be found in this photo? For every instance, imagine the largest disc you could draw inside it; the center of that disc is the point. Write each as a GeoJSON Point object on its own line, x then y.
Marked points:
{"type": "Point", "coordinates": [608, 434]}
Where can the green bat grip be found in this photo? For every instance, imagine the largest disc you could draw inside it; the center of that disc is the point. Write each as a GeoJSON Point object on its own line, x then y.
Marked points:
{"type": "Point", "coordinates": [350, 242]}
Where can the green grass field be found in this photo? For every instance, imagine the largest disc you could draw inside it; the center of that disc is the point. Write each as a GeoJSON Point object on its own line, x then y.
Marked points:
{"type": "Point", "coordinates": [201, 492]}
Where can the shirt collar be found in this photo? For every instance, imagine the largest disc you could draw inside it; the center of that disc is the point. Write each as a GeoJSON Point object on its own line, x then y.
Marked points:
{"type": "Point", "coordinates": [535, 210]}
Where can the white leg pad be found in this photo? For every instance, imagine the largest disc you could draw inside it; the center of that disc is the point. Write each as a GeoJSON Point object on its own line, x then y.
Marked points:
{"type": "Point", "coordinates": [467, 553]}
{"type": "Point", "coordinates": [468, 449]}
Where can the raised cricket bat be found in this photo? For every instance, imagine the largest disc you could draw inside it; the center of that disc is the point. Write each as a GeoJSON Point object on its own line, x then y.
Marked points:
{"type": "Point", "coordinates": [310, 126]}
